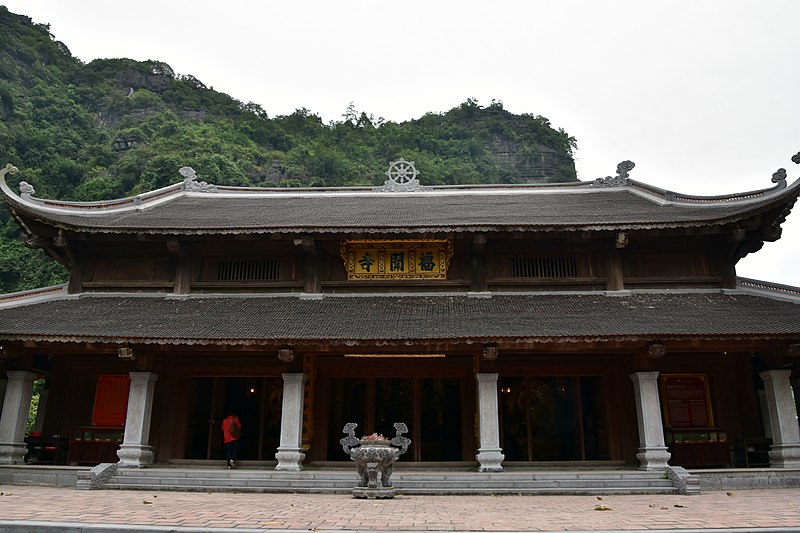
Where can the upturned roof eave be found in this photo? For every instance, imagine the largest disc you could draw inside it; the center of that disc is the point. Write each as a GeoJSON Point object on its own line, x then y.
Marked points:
{"type": "Point", "coordinates": [405, 230]}
{"type": "Point", "coordinates": [754, 202]}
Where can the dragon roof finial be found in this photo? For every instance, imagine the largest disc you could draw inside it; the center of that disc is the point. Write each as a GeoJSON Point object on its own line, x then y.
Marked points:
{"type": "Point", "coordinates": [620, 180]}
{"type": "Point", "coordinates": [189, 176]}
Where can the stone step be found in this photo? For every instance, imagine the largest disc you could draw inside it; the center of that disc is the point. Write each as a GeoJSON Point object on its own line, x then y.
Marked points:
{"type": "Point", "coordinates": [308, 474]}
{"type": "Point", "coordinates": [425, 482]}
{"type": "Point", "coordinates": [403, 483]}
{"type": "Point", "coordinates": [422, 489]}
{"type": "Point", "coordinates": [408, 481]}
{"type": "Point", "coordinates": [589, 491]}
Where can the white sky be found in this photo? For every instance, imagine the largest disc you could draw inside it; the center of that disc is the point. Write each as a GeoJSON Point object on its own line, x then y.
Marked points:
{"type": "Point", "coordinates": [702, 95]}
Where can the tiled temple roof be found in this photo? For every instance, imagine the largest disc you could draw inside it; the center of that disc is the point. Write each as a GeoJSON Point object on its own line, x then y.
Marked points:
{"type": "Point", "coordinates": [188, 208]}
{"type": "Point", "coordinates": [396, 319]}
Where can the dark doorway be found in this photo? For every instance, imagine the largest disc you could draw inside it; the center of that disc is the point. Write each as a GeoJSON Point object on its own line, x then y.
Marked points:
{"type": "Point", "coordinates": [553, 419]}
{"type": "Point", "coordinates": [257, 402]}
{"type": "Point", "coordinates": [430, 407]}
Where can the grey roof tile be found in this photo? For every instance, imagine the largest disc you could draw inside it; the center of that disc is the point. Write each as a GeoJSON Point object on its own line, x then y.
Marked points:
{"type": "Point", "coordinates": [402, 318]}
{"type": "Point", "coordinates": [210, 213]}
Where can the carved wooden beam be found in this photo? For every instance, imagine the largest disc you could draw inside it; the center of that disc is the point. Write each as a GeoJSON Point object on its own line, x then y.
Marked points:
{"type": "Point", "coordinates": [656, 350]}
{"type": "Point", "coordinates": [489, 352]}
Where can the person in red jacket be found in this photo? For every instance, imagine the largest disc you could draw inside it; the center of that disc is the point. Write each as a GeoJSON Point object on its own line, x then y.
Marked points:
{"type": "Point", "coordinates": [231, 433]}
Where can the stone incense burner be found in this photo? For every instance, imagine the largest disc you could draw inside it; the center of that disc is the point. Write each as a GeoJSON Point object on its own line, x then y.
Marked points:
{"type": "Point", "coordinates": [374, 454]}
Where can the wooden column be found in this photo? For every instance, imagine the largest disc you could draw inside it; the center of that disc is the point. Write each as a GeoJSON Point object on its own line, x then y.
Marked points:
{"type": "Point", "coordinates": [77, 266]}
{"type": "Point", "coordinates": [183, 275]}
{"type": "Point", "coordinates": [478, 269]}
{"type": "Point", "coordinates": [183, 267]}
{"type": "Point", "coordinates": [311, 277]}
{"type": "Point", "coordinates": [614, 269]}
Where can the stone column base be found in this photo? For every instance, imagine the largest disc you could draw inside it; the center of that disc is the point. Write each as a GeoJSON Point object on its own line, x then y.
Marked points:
{"type": "Point", "coordinates": [784, 456]}
{"type": "Point", "coordinates": [653, 458]}
{"type": "Point", "coordinates": [490, 460]}
{"type": "Point", "coordinates": [12, 453]}
{"type": "Point", "coordinates": [290, 459]}
{"type": "Point", "coordinates": [132, 455]}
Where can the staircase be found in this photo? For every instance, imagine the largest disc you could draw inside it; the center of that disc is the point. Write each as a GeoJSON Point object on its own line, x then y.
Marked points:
{"type": "Point", "coordinates": [592, 482]}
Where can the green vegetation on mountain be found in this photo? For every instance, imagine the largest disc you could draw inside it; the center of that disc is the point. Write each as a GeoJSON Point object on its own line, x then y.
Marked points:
{"type": "Point", "coordinates": [117, 127]}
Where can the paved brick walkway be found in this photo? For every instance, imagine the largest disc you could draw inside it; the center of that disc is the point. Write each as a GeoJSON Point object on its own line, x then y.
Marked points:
{"type": "Point", "coordinates": [779, 508]}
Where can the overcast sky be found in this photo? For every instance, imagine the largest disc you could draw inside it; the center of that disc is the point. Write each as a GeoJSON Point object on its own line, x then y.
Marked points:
{"type": "Point", "coordinates": [702, 95]}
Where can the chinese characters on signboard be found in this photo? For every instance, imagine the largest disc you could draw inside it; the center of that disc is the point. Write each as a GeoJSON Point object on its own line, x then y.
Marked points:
{"type": "Point", "coordinates": [404, 259]}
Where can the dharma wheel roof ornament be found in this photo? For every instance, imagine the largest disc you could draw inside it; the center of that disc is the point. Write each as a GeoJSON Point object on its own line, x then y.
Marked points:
{"type": "Point", "coordinates": [402, 171]}
{"type": "Point", "coordinates": [620, 180]}
{"type": "Point", "coordinates": [402, 176]}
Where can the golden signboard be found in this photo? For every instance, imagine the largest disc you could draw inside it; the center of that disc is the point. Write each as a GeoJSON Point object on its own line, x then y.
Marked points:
{"type": "Point", "coordinates": [402, 259]}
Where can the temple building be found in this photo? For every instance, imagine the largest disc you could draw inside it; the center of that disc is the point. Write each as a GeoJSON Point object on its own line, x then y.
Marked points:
{"type": "Point", "coordinates": [584, 323]}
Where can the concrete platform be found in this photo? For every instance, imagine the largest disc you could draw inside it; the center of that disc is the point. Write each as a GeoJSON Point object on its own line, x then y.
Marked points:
{"type": "Point", "coordinates": [408, 480]}
{"type": "Point", "coordinates": [431, 481]}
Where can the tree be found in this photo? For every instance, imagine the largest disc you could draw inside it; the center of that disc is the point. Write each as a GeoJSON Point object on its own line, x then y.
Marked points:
{"type": "Point", "coordinates": [33, 410]}
{"type": "Point", "coordinates": [81, 131]}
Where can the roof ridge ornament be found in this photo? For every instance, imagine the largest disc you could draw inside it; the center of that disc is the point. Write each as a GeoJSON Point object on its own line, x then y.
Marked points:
{"type": "Point", "coordinates": [779, 177]}
{"type": "Point", "coordinates": [402, 176]}
{"type": "Point", "coordinates": [189, 184]}
{"type": "Point", "coordinates": [25, 188]}
{"type": "Point", "coordinates": [8, 169]}
{"type": "Point", "coordinates": [620, 180]}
